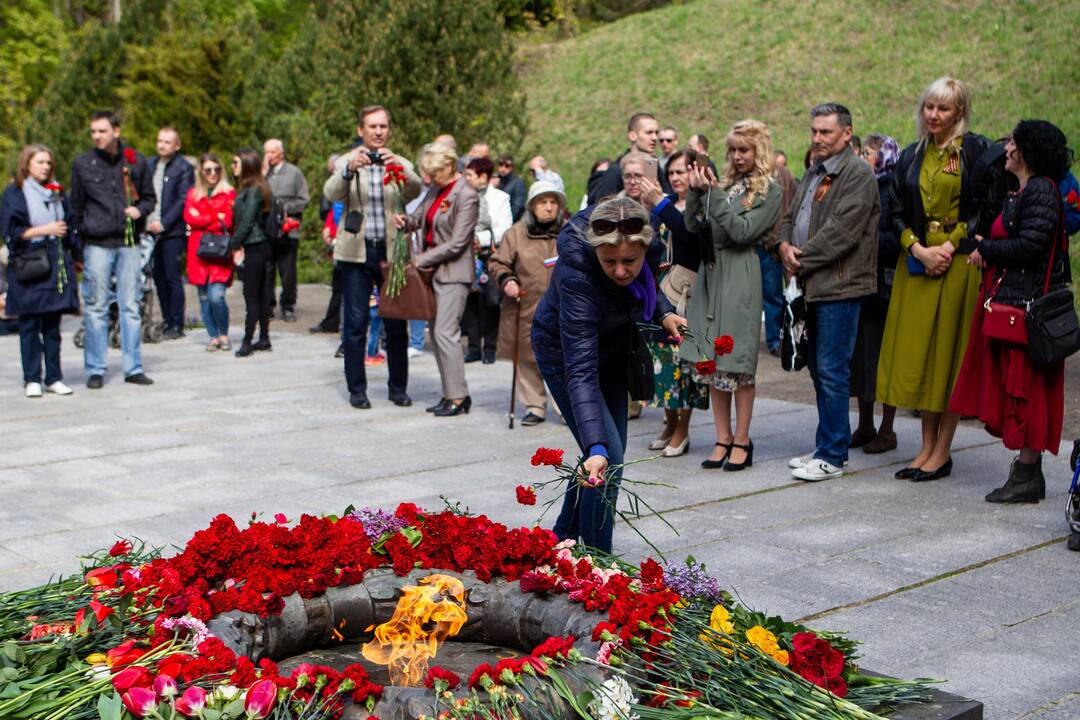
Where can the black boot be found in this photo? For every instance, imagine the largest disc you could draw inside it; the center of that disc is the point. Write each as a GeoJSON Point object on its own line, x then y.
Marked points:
{"type": "Point", "coordinates": [1025, 484]}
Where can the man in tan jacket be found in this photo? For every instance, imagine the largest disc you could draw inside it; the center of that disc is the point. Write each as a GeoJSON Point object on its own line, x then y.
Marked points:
{"type": "Point", "coordinates": [361, 244]}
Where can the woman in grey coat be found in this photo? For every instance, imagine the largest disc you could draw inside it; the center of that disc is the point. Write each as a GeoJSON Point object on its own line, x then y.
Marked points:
{"type": "Point", "coordinates": [738, 213]}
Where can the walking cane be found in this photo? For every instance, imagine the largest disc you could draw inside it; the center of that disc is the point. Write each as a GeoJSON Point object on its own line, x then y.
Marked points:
{"type": "Point", "coordinates": [517, 352]}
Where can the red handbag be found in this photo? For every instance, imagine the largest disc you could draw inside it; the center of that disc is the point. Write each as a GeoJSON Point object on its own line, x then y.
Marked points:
{"type": "Point", "coordinates": [1002, 322]}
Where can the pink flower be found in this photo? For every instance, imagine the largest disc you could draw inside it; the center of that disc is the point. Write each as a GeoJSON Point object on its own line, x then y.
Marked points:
{"type": "Point", "coordinates": [280, 519]}
{"type": "Point", "coordinates": [191, 703]}
{"type": "Point", "coordinates": [165, 686]}
{"type": "Point", "coordinates": [139, 701]}
{"type": "Point", "coordinates": [260, 699]}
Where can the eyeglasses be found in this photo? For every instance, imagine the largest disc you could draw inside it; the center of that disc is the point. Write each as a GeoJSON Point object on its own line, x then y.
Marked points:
{"type": "Point", "coordinates": [212, 170]}
{"type": "Point", "coordinates": [626, 226]}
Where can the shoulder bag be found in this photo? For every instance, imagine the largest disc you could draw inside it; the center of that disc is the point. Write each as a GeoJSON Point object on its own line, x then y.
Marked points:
{"type": "Point", "coordinates": [214, 246]}
{"type": "Point", "coordinates": [33, 265]}
{"type": "Point", "coordinates": [1052, 328]}
{"type": "Point", "coordinates": [640, 383]}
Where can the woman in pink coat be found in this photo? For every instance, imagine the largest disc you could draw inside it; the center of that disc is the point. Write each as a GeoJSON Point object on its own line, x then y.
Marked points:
{"type": "Point", "coordinates": [209, 208]}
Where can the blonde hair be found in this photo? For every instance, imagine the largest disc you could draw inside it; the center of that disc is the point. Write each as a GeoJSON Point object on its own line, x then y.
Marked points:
{"type": "Point", "coordinates": [201, 188]}
{"type": "Point", "coordinates": [23, 167]}
{"type": "Point", "coordinates": [436, 156]}
{"type": "Point", "coordinates": [764, 172]}
{"type": "Point", "coordinates": [951, 90]}
{"type": "Point", "coordinates": [616, 209]}
{"type": "Point", "coordinates": [635, 157]}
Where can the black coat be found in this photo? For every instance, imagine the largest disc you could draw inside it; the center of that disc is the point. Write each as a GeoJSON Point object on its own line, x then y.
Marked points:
{"type": "Point", "coordinates": [889, 250]}
{"type": "Point", "coordinates": [179, 178]}
{"type": "Point", "coordinates": [97, 196]}
{"type": "Point", "coordinates": [47, 295]}
{"type": "Point", "coordinates": [610, 182]}
{"type": "Point", "coordinates": [582, 326]}
{"type": "Point", "coordinates": [905, 202]}
{"type": "Point", "coordinates": [1031, 221]}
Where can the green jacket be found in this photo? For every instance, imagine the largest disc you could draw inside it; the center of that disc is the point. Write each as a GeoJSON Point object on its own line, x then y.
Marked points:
{"type": "Point", "coordinates": [839, 260]}
{"type": "Point", "coordinates": [727, 294]}
{"type": "Point", "coordinates": [248, 218]}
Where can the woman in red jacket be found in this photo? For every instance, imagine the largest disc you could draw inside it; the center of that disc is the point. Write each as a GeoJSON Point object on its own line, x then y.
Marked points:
{"type": "Point", "coordinates": [209, 208]}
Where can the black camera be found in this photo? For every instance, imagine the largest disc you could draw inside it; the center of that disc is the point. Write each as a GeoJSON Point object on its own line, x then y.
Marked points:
{"type": "Point", "coordinates": [375, 157]}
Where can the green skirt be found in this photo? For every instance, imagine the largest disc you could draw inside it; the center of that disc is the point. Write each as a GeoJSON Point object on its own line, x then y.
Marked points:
{"type": "Point", "coordinates": [676, 388]}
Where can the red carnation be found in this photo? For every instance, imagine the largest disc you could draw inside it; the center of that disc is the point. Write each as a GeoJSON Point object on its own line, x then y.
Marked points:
{"type": "Point", "coordinates": [120, 547]}
{"type": "Point", "coordinates": [705, 368]}
{"type": "Point", "coordinates": [57, 188]}
{"type": "Point", "coordinates": [1073, 198]}
{"type": "Point", "coordinates": [538, 582]}
{"type": "Point", "coordinates": [723, 345]}
{"type": "Point", "coordinates": [483, 670]}
{"type": "Point", "coordinates": [526, 495]}
{"type": "Point", "coordinates": [438, 673]}
{"type": "Point", "coordinates": [129, 156]}
{"type": "Point", "coordinates": [547, 456]}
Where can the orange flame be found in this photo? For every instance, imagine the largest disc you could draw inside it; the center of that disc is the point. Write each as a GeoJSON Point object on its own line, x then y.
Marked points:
{"type": "Point", "coordinates": [424, 617]}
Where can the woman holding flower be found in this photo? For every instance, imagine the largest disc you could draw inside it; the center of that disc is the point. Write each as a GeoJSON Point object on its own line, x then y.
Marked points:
{"type": "Point", "coordinates": [33, 223]}
{"type": "Point", "coordinates": [602, 285]}
{"type": "Point", "coordinates": [209, 209]}
{"type": "Point", "coordinates": [737, 216]}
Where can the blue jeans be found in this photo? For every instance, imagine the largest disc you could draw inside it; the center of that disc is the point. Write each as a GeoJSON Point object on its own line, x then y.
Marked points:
{"type": "Point", "coordinates": [587, 513]}
{"type": "Point", "coordinates": [100, 264]}
{"type": "Point", "coordinates": [772, 296]}
{"type": "Point", "coordinates": [40, 334]}
{"type": "Point", "coordinates": [215, 311]}
{"type": "Point", "coordinates": [416, 334]}
{"type": "Point", "coordinates": [831, 330]}
{"type": "Point", "coordinates": [374, 330]}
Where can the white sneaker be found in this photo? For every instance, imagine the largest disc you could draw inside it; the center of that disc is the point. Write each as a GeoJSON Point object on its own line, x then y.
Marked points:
{"type": "Point", "coordinates": [414, 353]}
{"type": "Point", "coordinates": [817, 470]}
{"type": "Point", "coordinates": [59, 388]}
{"type": "Point", "coordinates": [33, 389]}
{"type": "Point", "coordinates": [804, 460]}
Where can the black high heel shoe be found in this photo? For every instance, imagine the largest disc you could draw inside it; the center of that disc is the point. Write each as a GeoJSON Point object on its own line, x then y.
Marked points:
{"type": "Point", "coordinates": [713, 464]}
{"type": "Point", "coordinates": [452, 408]}
{"type": "Point", "coordinates": [437, 406]}
{"type": "Point", "coordinates": [748, 462]}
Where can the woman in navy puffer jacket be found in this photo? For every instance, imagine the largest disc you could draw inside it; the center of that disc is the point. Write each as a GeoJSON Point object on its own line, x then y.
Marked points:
{"type": "Point", "coordinates": [604, 282]}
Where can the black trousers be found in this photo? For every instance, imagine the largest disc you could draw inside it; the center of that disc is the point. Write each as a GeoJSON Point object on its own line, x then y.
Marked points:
{"type": "Point", "coordinates": [169, 280]}
{"type": "Point", "coordinates": [332, 321]}
{"type": "Point", "coordinates": [480, 324]}
{"type": "Point", "coordinates": [285, 260]}
{"type": "Point", "coordinates": [257, 275]}
{"type": "Point", "coordinates": [358, 282]}
{"type": "Point", "coordinates": [39, 334]}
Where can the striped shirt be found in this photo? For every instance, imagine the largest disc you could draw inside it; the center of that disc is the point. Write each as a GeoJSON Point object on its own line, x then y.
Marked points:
{"type": "Point", "coordinates": [375, 228]}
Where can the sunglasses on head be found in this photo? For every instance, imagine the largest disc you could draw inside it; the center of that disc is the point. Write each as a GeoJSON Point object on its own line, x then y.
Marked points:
{"type": "Point", "coordinates": [626, 226]}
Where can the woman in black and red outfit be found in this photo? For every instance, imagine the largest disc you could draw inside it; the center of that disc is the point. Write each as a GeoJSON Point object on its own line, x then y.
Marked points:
{"type": "Point", "coordinates": [1019, 402]}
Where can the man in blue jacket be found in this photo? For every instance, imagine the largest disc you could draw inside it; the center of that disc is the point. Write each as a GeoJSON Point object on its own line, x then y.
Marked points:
{"type": "Point", "coordinates": [172, 176]}
{"type": "Point", "coordinates": [111, 195]}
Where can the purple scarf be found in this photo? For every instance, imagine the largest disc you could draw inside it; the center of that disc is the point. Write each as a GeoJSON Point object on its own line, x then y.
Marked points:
{"type": "Point", "coordinates": [643, 289]}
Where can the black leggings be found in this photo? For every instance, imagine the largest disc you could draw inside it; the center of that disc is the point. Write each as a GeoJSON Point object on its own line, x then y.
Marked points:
{"type": "Point", "coordinates": [257, 275]}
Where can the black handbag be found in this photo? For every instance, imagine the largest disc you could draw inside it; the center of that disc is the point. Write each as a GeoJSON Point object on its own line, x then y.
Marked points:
{"type": "Point", "coordinates": [640, 383]}
{"type": "Point", "coordinates": [32, 265]}
{"type": "Point", "coordinates": [1052, 328]}
{"type": "Point", "coordinates": [214, 246]}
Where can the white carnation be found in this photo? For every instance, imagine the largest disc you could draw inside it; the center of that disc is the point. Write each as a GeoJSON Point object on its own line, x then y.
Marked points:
{"type": "Point", "coordinates": [614, 700]}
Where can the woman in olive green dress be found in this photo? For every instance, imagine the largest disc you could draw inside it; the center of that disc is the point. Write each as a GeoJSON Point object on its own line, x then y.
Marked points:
{"type": "Point", "coordinates": [736, 213]}
{"type": "Point", "coordinates": [935, 291]}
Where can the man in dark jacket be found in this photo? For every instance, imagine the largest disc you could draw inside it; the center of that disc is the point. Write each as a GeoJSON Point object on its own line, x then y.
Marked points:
{"type": "Point", "coordinates": [642, 131]}
{"type": "Point", "coordinates": [111, 195]}
{"type": "Point", "coordinates": [289, 186]}
{"type": "Point", "coordinates": [512, 185]}
{"type": "Point", "coordinates": [172, 176]}
{"type": "Point", "coordinates": [828, 239]}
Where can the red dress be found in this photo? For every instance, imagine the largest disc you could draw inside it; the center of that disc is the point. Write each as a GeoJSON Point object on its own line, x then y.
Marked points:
{"type": "Point", "coordinates": [205, 218]}
{"type": "Point", "coordinates": [1019, 403]}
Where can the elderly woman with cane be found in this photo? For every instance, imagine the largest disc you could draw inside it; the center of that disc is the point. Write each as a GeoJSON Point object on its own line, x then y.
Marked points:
{"type": "Point", "coordinates": [522, 266]}
{"type": "Point", "coordinates": [583, 336]}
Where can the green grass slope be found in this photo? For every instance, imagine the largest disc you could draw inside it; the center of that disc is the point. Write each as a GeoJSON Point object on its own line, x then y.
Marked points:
{"type": "Point", "coordinates": [703, 65]}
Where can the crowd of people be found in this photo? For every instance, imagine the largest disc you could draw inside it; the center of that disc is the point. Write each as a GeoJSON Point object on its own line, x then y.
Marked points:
{"type": "Point", "coordinates": [906, 264]}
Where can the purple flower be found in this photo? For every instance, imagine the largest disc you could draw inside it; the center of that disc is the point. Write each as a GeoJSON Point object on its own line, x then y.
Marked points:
{"type": "Point", "coordinates": [690, 580]}
{"type": "Point", "coordinates": [378, 523]}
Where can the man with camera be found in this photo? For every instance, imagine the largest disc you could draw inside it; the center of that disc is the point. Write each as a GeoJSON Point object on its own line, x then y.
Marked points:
{"type": "Point", "coordinates": [360, 246]}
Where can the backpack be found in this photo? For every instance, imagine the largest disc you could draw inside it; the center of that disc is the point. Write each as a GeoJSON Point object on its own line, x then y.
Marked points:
{"type": "Point", "coordinates": [272, 222]}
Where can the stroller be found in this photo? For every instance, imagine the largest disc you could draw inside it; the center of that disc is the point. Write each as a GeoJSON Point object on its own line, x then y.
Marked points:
{"type": "Point", "coordinates": [1072, 508]}
{"type": "Point", "coordinates": [152, 331]}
